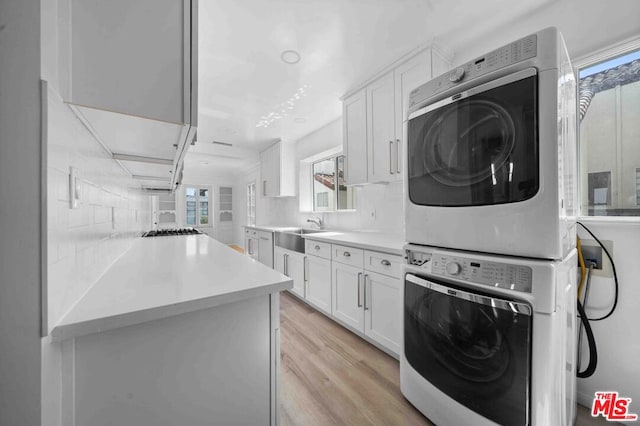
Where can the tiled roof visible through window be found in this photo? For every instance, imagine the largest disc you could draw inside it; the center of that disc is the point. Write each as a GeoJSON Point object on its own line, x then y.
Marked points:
{"type": "Point", "coordinates": [618, 76]}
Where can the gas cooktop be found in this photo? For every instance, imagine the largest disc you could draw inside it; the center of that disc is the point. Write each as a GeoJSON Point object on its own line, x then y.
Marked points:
{"type": "Point", "coordinates": [171, 232]}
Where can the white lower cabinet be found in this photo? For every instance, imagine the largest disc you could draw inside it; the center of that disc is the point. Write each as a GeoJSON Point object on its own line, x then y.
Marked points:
{"type": "Point", "coordinates": [347, 294]}
{"type": "Point", "coordinates": [318, 291]}
{"type": "Point", "coordinates": [291, 264]}
{"type": "Point", "coordinates": [369, 302]}
{"type": "Point", "coordinates": [383, 310]}
{"type": "Point", "coordinates": [359, 288]}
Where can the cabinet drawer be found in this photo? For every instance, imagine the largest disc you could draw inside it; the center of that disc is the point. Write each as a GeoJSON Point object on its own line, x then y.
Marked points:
{"type": "Point", "coordinates": [265, 235]}
{"type": "Point", "coordinates": [347, 255]}
{"type": "Point", "coordinates": [318, 248]}
{"type": "Point", "coordinates": [383, 263]}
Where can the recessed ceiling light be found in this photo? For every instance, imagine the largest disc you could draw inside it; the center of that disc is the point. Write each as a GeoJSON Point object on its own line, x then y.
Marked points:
{"type": "Point", "coordinates": [290, 57]}
{"type": "Point", "coordinates": [299, 120]}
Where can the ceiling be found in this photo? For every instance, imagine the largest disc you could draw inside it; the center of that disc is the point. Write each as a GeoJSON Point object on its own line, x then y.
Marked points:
{"type": "Point", "coordinates": [243, 81]}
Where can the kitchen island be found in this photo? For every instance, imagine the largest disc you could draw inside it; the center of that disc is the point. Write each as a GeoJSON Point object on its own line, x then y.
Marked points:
{"type": "Point", "coordinates": [180, 330]}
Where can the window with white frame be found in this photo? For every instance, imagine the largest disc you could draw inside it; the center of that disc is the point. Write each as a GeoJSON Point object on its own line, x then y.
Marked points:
{"type": "Point", "coordinates": [609, 144]}
{"type": "Point", "coordinates": [328, 186]}
{"type": "Point", "coordinates": [251, 203]}
{"type": "Point", "coordinates": [197, 206]}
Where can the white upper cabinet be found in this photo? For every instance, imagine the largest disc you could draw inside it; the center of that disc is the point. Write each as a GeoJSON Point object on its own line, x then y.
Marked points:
{"type": "Point", "coordinates": [408, 76]}
{"type": "Point", "coordinates": [354, 112]}
{"type": "Point", "coordinates": [133, 57]}
{"type": "Point", "coordinates": [382, 159]}
{"type": "Point", "coordinates": [128, 69]}
{"type": "Point", "coordinates": [277, 170]}
{"type": "Point", "coordinates": [373, 117]}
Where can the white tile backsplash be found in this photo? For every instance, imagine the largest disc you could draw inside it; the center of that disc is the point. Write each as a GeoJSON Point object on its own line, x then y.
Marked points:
{"type": "Point", "coordinates": [386, 200]}
{"type": "Point", "coordinates": [84, 242]}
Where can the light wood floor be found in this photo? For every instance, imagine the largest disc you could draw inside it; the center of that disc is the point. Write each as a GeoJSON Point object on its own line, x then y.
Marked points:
{"type": "Point", "coordinates": [237, 248]}
{"type": "Point", "coordinates": [330, 376]}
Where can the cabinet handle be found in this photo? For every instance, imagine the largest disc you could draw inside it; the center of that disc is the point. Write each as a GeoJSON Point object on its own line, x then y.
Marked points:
{"type": "Point", "coordinates": [385, 262]}
{"type": "Point", "coordinates": [264, 238]}
{"type": "Point", "coordinates": [398, 161]}
{"type": "Point", "coordinates": [286, 264]}
{"type": "Point", "coordinates": [316, 247]}
{"type": "Point", "coordinates": [346, 254]}
{"type": "Point", "coordinates": [391, 157]}
{"type": "Point", "coordinates": [304, 272]}
{"type": "Point", "coordinates": [366, 276]}
{"type": "Point", "coordinates": [264, 188]}
{"type": "Point", "coordinates": [359, 279]}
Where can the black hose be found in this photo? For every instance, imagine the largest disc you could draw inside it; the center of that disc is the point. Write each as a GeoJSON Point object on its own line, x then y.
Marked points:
{"type": "Point", "coordinates": [615, 276]}
{"type": "Point", "coordinates": [593, 351]}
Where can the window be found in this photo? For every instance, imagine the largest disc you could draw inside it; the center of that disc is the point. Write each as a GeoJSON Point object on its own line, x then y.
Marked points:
{"type": "Point", "coordinates": [328, 188]}
{"type": "Point", "coordinates": [197, 206]}
{"type": "Point", "coordinates": [609, 102]}
{"type": "Point", "coordinates": [251, 204]}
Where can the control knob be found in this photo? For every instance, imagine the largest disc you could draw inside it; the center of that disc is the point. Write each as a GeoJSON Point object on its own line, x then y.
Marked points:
{"type": "Point", "coordinates": [456, 75]}
{"type": "Point", "coordinates": [453, 268]}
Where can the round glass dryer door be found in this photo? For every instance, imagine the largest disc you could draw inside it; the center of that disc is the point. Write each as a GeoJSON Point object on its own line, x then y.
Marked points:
{"type": "Point", "coordinates": [474, 347]}
{"type": "Point", "coordinates": [479, 147]}
{"type": "Point", "coordinates": [485, 135]}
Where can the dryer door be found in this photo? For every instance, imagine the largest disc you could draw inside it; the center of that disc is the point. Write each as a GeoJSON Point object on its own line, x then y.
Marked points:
{"type": "Point", "coordinates": [478, 147]}
{"type": "Point", "coordinates": [473, 347]}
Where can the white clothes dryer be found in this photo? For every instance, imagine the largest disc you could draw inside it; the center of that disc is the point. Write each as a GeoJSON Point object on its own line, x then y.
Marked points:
{"type": "Point", "coordinates": [491, 153]}
{"type": "Point", "coordinates": [489, 339]}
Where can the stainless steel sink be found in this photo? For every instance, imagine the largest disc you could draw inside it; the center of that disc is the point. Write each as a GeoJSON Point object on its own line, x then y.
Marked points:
{"type": "Point", "coordinates": [292, 238]}
{"type": "Point", "coordinates": [310, 231]}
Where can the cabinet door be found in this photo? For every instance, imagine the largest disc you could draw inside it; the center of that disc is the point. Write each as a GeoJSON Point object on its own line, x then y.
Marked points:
{"type": "Point", "coordinates": [265, 170]}
{"type": "Point", "coordinates": [381, 130]}
{"type": "Point", "coordinates": [265, 241]}
{"type": "Point", "coordinates": [383, 310]}
{"type": "Point", "coordinates": [354, 114]}
{"type": "Point", "coordinates": [346, 295]}
{"type": "Point", "coordinates": [273, 185]}
{"type": "Point", "coordinates": [133, 57]}
{"type": "Point", "coordinates": [409, 75]}
{"type": "Point", "coordinates": [295, 270]}
{"type": "Point", "coordinates": [279, 261]}
{"type": "Point", "coordinates": [319, 283]}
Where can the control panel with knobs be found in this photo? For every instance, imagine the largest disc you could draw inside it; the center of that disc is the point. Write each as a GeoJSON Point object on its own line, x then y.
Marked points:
{"type": "Point", "coordinates": [456, 75]}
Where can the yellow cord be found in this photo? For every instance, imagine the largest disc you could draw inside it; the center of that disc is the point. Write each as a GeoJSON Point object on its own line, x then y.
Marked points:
{"type": "Point", "coordinates": [583, 269]}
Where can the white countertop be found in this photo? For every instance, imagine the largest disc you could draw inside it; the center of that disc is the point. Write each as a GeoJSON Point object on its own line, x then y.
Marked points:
{"type": "Point", "coordinates": [270, 228]}
{"type": "Point", "coordinates": [164, 276]}
{"type": "Point", "coordinates": [377, 241]}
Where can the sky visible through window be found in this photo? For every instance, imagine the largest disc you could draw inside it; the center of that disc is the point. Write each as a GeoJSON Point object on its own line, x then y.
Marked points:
{"type": "Point", "coordinates": [612, 63]}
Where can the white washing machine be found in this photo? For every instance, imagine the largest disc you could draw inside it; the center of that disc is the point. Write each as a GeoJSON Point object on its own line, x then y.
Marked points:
{"type": "Point", "coordinates": [491, 153]}
{"type": "Point", "coordinates": [489, 339]}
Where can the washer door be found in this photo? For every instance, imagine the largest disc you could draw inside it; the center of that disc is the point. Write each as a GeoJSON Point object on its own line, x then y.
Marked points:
{"type": "Point", "coordinates": [478, 147]}
{"type": "Point", "coordinates": [473, 347]}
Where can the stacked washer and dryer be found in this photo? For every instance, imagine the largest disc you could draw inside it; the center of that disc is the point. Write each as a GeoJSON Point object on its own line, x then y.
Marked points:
{"type": "Point", "coordinates": [489, 317]}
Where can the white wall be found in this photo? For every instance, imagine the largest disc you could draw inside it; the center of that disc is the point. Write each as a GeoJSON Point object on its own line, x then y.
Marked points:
{"type": "Point", "coordinates": [617, 337]}
{"type": "Point", "coordinates": [385, 201]}
{"type": "Point", "coordinates": [20, 213]}
{"type": "Point", "coordinates": [213, 181]}
{"type": "Point", "coordinates": [112, 212]}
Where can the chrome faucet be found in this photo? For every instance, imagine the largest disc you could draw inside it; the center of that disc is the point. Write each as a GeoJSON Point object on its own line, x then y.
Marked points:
{"type": "Point", "coordinates": [316, 221]}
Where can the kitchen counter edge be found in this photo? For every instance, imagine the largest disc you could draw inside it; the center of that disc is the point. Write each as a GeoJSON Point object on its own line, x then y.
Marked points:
{"type": "Point", "coordinates": [77, 327]}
